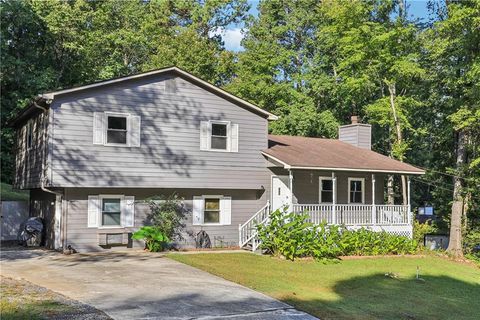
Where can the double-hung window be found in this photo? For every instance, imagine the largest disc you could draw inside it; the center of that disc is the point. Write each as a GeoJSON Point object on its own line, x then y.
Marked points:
{"type": "Point", "coordinates": [356, 190]}
{"type": "Point", "coordinates": [219, 136]}
{"type": "Point", "coordinates": [111, 212]}
{"type": "Point", "coordinates": [211, 211]}
{"type": "Point", "coordinates": [326, 190]}
{"type": "Point", "coordinates": [117, 129]}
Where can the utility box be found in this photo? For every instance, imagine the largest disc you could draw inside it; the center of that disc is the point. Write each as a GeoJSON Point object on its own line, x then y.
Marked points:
{"type": "Point", "coordinates": [436, 241]}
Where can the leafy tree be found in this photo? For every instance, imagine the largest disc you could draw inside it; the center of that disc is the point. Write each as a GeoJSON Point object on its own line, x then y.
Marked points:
{"type": "Point", "coordinates": [453, 45]}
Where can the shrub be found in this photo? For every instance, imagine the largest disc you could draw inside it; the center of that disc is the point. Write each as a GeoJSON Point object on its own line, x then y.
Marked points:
{"type": "Point", "coordinates": [471, 244]}
{"type": "Point", "coordinates": [168, 215]}
{"type": "Point", "coordinates": [154, 239]}
{"type": "Point", "coordinates": [421, 229]}
{"type": "Point", "coordinates": [291, 235]}
{"type": "Point", "coordinates": [286, 234]}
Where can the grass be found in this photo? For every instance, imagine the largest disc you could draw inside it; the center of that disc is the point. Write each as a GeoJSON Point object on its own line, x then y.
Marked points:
{"type": "Point", "coordinates": [9, 194]}
{"type": "Point", "coordinates": [355, 288]}
{"type": "Point", "coordinates": [22, 300]}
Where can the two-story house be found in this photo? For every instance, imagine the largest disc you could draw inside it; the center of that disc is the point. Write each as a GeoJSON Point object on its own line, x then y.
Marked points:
{"type": "Point", "coordinates": [91, 154]}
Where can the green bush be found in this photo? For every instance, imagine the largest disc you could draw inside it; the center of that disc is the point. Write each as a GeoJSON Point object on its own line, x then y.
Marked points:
{"type": "Point", "coordinates": [168, 214]}
{"type": "Point", "coordinates": [286, 235]}
{"type": "Point", "coordinates": [291, 235]}
{"type": "Point", "coordinates": [154, 239]}
{"type": "Point", "coordinates": [421, 229]}
{"type": "Point", "coordinates": [470, 241]}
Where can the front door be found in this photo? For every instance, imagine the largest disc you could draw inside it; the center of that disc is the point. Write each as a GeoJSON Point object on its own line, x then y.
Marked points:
{"type": "Point", "coordinates": [280, 192]}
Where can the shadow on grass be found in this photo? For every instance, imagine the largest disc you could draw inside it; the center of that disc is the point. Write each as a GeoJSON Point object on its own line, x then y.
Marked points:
{"type": "Point", "coordinates": [382, 297]}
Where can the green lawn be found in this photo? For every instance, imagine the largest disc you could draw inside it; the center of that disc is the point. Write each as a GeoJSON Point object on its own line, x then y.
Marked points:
{"type": "Point", "coordinates": [355, 289]}
{"type": "Point", "coordinates": [8, 194]}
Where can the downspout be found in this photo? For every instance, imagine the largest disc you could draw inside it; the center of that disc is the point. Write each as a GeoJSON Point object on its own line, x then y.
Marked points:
{"type": "Point", "coordinates": [58, 208]}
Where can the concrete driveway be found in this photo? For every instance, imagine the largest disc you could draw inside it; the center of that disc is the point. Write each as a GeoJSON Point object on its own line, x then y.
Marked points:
{"type": "Point", "coordinates": [139, 285]}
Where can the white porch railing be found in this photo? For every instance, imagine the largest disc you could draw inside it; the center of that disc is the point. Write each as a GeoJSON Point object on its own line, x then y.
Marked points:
{"type": "Point", "coordinates": [248, 231]}
{"type": "Point", "coordinates": [356, 214]}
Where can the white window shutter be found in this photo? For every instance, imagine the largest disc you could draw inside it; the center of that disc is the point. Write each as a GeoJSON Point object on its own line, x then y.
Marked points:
{"type": "Point", "coordinates": [93, 211]}
{"type": "Point", "coordinates": [204, 134]}
{"type": "Point", "coordinates": [134, 131]}
{"type": "Point", "coordinates": [197, 212]}
{"type": "Point", "coordinates": [226, 210]}
{"type": "Point", "coordinates": [128, 212]}
{"type": "Point", "coordinates": [98, 127]}
{"type": "Point", "coordinates": [234, 138]}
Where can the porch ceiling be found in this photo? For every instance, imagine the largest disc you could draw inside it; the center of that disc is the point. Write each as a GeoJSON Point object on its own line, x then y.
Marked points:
{"type": "Point", "coordinates": [294, 152]}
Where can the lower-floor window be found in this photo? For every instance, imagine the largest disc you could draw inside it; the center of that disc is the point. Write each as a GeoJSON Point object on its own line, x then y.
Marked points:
{"type": "Point", "coordinates": [211, 211]}
{"type": "Point", "coordinates": [356, 190]}
{"type": "Point", "coordinates": [111, 212]}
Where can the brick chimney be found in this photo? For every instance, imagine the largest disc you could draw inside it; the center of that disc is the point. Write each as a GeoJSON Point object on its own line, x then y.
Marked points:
{"type": "Point", "coordinates": [357, 134]}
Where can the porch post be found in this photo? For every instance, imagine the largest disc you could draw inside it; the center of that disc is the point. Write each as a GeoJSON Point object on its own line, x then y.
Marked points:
{"type": "Point", "coordinates": [290, 179]}
{"type": "Point", "coordinates": [374, 215]}
{"type": "Point", "coordinates": [334, 200]}
{"type": "Point", "coordinates": [409, 216]}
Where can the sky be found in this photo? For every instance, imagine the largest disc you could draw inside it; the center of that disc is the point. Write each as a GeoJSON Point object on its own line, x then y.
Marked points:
{"type": "Point", "coordinates": [232, 36]}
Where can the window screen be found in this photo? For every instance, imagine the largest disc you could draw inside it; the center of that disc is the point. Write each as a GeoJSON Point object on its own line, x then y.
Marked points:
{"type": "Point", "coordinates": [111, 212]}
{"type": "Point", "coordinates": [326, 190]}
{"type": "Point", "coordinates": [211, 212]}
{"type": "Point", "coordinates": [219, 136]}
{"type": "Point", "coordinates": [117, 130]}
{"type": "Point", "coordinates": [356, 191]}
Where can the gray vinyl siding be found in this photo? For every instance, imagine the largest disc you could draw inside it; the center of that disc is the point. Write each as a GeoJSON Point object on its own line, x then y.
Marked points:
{"type": "Point", "coordinates": [28, 162]}
{"type": "Point", "coordinates": [244, 204]}
{"type": "Point", "coordinates": [359, 135]}
{"type": "Point", "coordinates": [306, 185]}
{"type": "Point", "coordinates": [169, 155]}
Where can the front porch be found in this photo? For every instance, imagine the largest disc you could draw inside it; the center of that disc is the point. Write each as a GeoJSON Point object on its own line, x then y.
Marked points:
{"type": "Point", "coordinates": [352, 199]}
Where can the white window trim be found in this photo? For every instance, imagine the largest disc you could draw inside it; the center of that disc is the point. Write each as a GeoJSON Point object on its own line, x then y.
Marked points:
{"type": "Point", "coordinates": [100, 214]}
{"type": "Point", "coordinates": [363, 189]}
{"type": "Point", "coordinates": [105, 130]}
{"type": "Point", "coordinates": [320, 179]}
{"type": "Point", "coordinates": [219, 223]}
{"type": "Point", "coordinates": [229, 135]}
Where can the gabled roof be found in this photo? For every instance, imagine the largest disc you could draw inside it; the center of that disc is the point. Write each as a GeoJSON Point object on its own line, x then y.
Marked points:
{"type": "Point", "coordinates": [329, 154]}
{"type": "Point", "coordinates": [49, 96]}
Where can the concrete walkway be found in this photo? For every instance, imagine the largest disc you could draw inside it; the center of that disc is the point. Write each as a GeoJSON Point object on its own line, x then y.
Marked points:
{"type": "Point", "coordinates": [139, 285]}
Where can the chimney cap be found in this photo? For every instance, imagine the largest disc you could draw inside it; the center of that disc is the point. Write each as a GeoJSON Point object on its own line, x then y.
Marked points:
{"type": "Point", "coordinates": [354, 119]}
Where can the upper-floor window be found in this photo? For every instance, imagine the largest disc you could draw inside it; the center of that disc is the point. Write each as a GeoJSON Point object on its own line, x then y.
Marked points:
{"type": "Point", "coordinates": [29, 136]}
{"type": "Point", "coordinates": [117, 129]}
{"type": "Point", "coordinates": [219, 135]}
{"type": "Point", "coordinates": [356, 190]}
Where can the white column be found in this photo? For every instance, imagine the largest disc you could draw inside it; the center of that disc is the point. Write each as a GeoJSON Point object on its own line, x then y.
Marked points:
{"type": "Point", "coordinates": [334, 200]}
{"type": "Point", "coordinates": [409, 211]}
{"type": "Point", "coordinates": [290, 179]}
{"type": "Point", "coordinates": [374, 215]}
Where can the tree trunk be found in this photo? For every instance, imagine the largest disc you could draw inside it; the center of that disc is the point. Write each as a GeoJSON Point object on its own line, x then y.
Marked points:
{"type": "Point", "coordinates": [455, 244]}
{"type": "Point", "coordinates": [398, 130]}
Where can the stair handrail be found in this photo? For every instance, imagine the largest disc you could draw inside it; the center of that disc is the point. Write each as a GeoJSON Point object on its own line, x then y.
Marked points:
{"type": "Point", "coordinates": [253, 218]}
